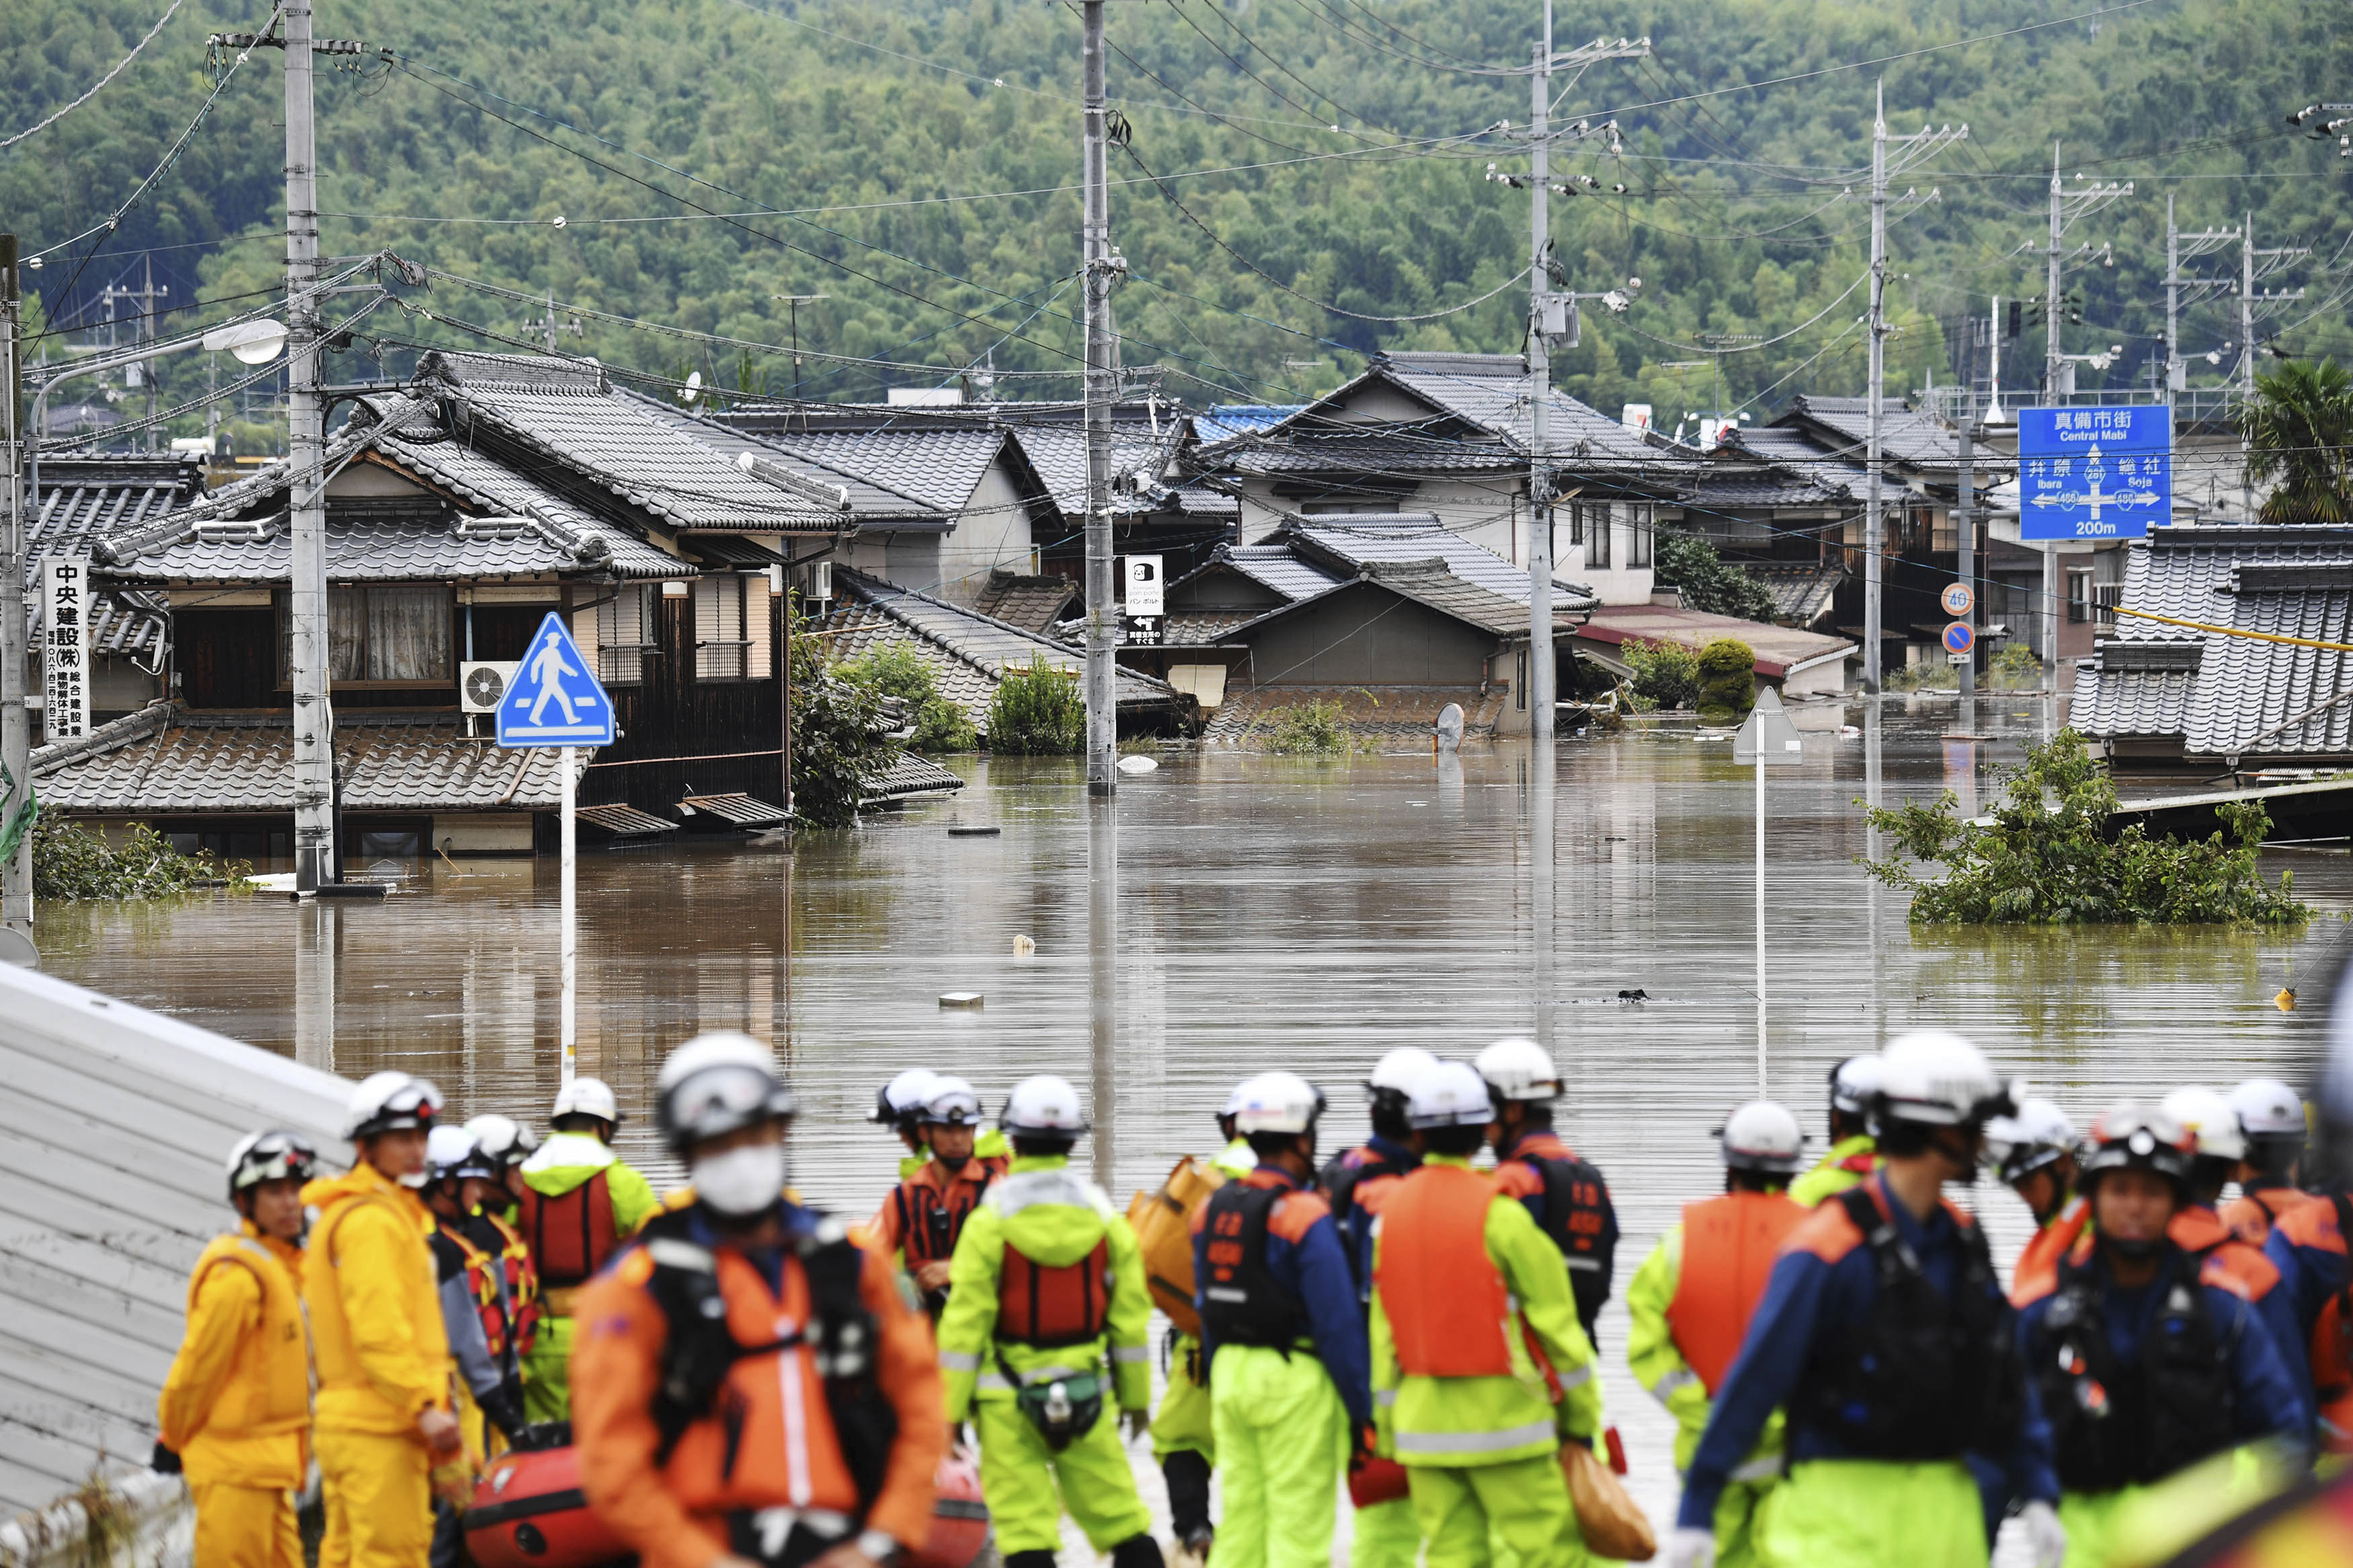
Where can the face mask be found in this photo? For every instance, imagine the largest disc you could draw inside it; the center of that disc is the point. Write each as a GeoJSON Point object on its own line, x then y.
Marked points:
{"type": "Point", "coordinates": [415, 1181]}
{"type": "Point", "coordinates": [742, 1181]}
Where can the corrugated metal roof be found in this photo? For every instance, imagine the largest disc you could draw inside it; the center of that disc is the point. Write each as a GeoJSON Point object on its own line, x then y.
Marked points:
{"type": "Point", "coordinates": [166, 759]}
{"type": "Point", "coordinates": [113, 1133]}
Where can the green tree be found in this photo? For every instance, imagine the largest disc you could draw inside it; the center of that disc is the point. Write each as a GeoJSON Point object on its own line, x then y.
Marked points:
{"type": "Point", "coordinates": [2299, 430]}
{"type": "Point", "coordinates": [1709, 583]}
{"type": "Point", "coordinates": [1664, 674]}
{"type": "Point", "coordinates": [1727, 674]}
{"type": "Point", "coordinates": [839, 744]}
{"type": "Point", "coordinates": [895, 669]}
{"type": "Point", "coordinates": [1036, 712]}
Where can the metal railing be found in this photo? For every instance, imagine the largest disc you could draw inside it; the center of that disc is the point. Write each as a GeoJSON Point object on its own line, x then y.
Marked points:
{"type": "Point", "coordinates": [2198, 406]}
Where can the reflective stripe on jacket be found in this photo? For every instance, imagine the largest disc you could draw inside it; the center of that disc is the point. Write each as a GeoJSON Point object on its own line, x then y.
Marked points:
{"type": "Point", "coordinates": [1548, 1392]}
{"type": "Point", "coordinates": [369, 1286]}
{"type": "Point", "coordinates": [235, 1406]}
{"type": "Point", "coordinates": [1043, 1210]}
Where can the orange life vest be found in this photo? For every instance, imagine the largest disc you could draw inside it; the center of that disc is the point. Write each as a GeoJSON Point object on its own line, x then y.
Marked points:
{"type": "Point", "coordinates": [2037, 1273]}
{"type": "Point", "coordinates": [571, 1237]}
{"type": "Point", "coordinates": [1041, 1305]}
{"type": "Point", "coordinates": [2201, 1233]}
{"type": "Point", "coordinates": [1449, 1313]}
{"type": "Point", "coordinates": [2252, 1215]}
{"type": "Point", "coordinates": [523, 1284]}
{"type": "Point", "coordinates": [1729, 1245]}
{"type": "Point", "coordinates": [932, 1206]}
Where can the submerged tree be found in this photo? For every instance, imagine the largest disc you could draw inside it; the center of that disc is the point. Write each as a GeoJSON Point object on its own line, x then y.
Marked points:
{"type": "Point", "coordinates": [2047, 856]}
{"type": "Point", "coordinates": [2299, 430]}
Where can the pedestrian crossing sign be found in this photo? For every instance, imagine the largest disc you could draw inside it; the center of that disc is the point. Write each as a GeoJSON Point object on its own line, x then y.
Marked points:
{"type": "Point", "coordinates": [554, 700]}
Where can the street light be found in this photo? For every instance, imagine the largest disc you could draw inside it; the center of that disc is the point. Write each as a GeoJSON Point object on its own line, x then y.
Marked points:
{"type": "Point", "coordinates": [253, 343]}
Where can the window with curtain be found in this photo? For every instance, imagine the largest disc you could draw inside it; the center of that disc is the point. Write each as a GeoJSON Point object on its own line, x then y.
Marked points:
{"type": "Point", "coordinates": [1637, 552]}
{"type": "Point", "coordinates": [396, 634]}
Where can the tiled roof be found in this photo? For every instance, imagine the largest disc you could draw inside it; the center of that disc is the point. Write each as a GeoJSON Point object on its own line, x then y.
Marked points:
{"type": "Point", "coordinates": [1802, 590]}
{"type": "Point", "coordinates": [1432, 583]}
{"type": "Point", "coordinates": [1201, 628]}
{"type": "Point", "coordinates": [967, 651]}
{"type": "Point", "coordinates": [1358, 540]}
{"type": "Point", "coordinates": [164, 759]}
{"type": "Point", "coordinates": [938, 468]}
{"type": "Point", "coordinates": [1492, 393]}
{"type": "Point", "coordinates": [1033, 604]}
{"type": "Point", "coordinates": [1778, 650]}
{"type": "Point", "coordinates": [1200, 501]}
{"type": "Point", "coordinates": [557, 409]}
{"type": "Point", "coordinates": [1373, 451]}
{"type": "Point", "coordinates": [1751, 490]}
{"type": "Point", "coordinates": [86, 497]}
{"type": "Point", "coordinates": [1278, 566]}
{"type": "Point", "coordinates": [2241, 696]}
{"type": "Point", "coordinates": [1059, 454]}
{"type": "Point", "coordinates": [871, 501]}
{"type": "Point", "coordinates": [911, 774]}
{"type": "Point", "coordinates": [1906, 435]}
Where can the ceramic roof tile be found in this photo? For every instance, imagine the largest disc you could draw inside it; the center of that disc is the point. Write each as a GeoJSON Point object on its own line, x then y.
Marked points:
{"type": "Point", "coordinates": [1033, 604]}
{"type": "Point", "coordinates": [912, 774]}
{"type": "Point", "coordinates": [939, 468]}
{"type": "Point", "coordinates": [869, 498]}
{"type": "Point", "coordinates": [164, 759]}
{"type": "Point", "coordinates": [86, 497]}
{"type": "Point", "coordinates": [1802, 590]}
{"type": "Point", "coordinates": [1279, 567]}
{"type": "Point", "coordinates": [1058, 452]}
{"type": "Point", "coordinates": [1907, 435]}
{"type": "Point", "coordinates": [1358, 540]}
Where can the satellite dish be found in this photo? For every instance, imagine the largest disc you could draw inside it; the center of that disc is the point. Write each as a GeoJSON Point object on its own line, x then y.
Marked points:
{"type": "Point", "coordinates": [1450, 727]}
{"type": "Point", "coordinates": [694, 387]}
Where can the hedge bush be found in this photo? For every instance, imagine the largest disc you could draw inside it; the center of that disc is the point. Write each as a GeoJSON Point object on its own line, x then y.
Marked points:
{"type": "Point", "coordinates": [1038, 712]}
{"type": "Point", "coordinates": [1727, 674]}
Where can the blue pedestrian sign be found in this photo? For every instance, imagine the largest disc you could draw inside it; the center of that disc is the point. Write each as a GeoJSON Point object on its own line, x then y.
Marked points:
{"type": "Point", "coordinates": [2095, 473]}
{"type": "Point", "coordinates": [554, 700]}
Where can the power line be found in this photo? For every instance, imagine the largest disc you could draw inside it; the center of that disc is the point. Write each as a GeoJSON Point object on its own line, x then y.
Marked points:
{"type": "Point", "coordinates": [171, 11]}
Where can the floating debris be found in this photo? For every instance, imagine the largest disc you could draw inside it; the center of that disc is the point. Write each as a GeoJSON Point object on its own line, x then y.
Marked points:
{"type": "Point", "coordinates": [1024, 946]}
{"type": "Point", "coordinates": [961, 831]}
{"type": "Point", "coordinates": [1134, 764]}
{"type": "Point", "coordinates": [971, 999]}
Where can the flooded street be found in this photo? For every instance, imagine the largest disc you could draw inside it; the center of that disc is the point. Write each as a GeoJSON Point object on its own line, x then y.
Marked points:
{"type": "Point", "coordinates": [1293, 912]}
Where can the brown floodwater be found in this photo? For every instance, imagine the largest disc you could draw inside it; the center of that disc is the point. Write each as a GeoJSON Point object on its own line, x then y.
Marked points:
{"type": "Point", "coordinates": [1271, 912]}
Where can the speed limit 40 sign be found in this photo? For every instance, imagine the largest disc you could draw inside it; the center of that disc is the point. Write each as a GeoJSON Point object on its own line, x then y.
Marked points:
{"type": "Point", "coordinates": [1956, 599]}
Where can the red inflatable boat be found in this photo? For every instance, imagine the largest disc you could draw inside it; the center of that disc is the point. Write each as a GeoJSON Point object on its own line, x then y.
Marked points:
{"type": "Point", "coordinates": [529, 1512]}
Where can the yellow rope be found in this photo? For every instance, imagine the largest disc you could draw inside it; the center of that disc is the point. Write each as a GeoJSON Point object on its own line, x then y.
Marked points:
{"type": "Point", "coordinates": [2237, 632]}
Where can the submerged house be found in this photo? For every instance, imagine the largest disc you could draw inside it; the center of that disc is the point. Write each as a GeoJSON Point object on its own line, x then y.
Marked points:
{"type": "Point", "coordinates": [492, 491]}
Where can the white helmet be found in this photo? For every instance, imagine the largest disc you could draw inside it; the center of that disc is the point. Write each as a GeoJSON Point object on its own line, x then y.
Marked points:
{"type": "Point", "coordinates": [1853, 1083]}
{"type": "Point", "coordinates": [452, 1152]}
{"type": "Point", "coordinates": [1763, 1136]}
{"type": "Point", "coordinates": [716, 1084]}
{"type": "Point", "coordinates": [389, 1102]}
{"type": "Point", "coordinates": [2267, 1108]}
{"type": "Point", "coordinates": [1518, 1070]}
{"type": "Point", "coordinates": [2209, 1118]}
{"type": "Point", "coordinates": [1450, 1094]}
{"type": "Point", "coordinates": [1395, 1072]}
{"type": "Point", "coordinates": [952, 1103]}
{"type": "Point", "coordinates": [904, 1097]}
{"type": "Point", "coordinates": [271, 1156]}
{"type": "Point", "coordinates": [502, 1137]}
{"type": "Point", "coordinates": [1276, 1102]}
{"type": "Point", "coordinates": [2037, 1136]}
{"type": "Point", "coordinates": [1043, 1107]}
{"type": "Point", "coordinates": [1933, 1077]}
{"type": "Point", "coordinates": [586, 1096]}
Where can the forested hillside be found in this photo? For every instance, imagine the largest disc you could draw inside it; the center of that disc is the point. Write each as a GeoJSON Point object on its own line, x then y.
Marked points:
{"type": "Point", "coordinates": [1296, 170]}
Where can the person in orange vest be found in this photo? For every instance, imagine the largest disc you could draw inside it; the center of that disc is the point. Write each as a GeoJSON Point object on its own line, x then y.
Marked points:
{"type": "Point", "coordinates": [235, 1412]}
{"type": "Point", "coordinates": [920, 1221]}
{"type": "Point", "coordinates": [1480, 1371]}
{"type": "Point", "coordinates": [389, 1441]}
{"type": "Point", "coordinates": [1690, 1303]}
{"type": "Point", "coordinates": [2271, 1115]}
{"type": "Point", "coordinates": [751, 1387]}
{"type": "Point", "coordinates": [472, 1279]}
{"type": "Point", "coordinates": [2033, 1154]}
{"type": "Point", "coordinates": [1566, 1197]}
{"type": "Point", "coordinates": [580, 1202]}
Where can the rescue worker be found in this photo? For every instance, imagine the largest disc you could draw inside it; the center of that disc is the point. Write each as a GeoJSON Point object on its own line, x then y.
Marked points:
{"type": "Point", "coordinates": [2033, 1154]}
{"type": "Point", "coordinates": [1282, 1336]}
{"type": "Point", "coordinates": [1884, 1336]}
{"type": "Point", "coordinates": [472, 1278]}
{"type": "Point", "coordinates": [2149, 1359]}
{"type": "Point", "coordinates": [1690, 1304]}
{"type": "Point", "coordinates": [1566, 1197]}
{"type": "Point", "coordinates": [919, 1222]}
{"type": "Point", "coordinates": [2198, 1230]}
{"type": "Point", "coordinates": [898, 1105]}
{"type": "Point", "coordinates": [509, 1143]}
{"type": "Point", "coordinates": [1047, 1288]}
{"type": "Point", "coordinates": [1480, 1371]}
{"type": "Point", "coordinates": [235, 1412]}
{"type": "Point", "coordinates": [579, 1203]}
{"type": "Point", "coordinates": [1854, 1153]}
{"type": "Point", "coordinates": [2270, 1116]}
{"type": "Point", "coordinates": [1357, 1183]}
{"type": "Point", "coordinates": [388, 1439]}
{"type": "Point", "coordinates": [752, 1388]}
{"type": "Point", "coordinates": [1183, 1429]}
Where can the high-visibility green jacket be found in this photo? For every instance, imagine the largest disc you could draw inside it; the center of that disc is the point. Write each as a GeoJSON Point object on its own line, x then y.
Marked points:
{"type": "Point", "coordinates": [1044, 1210]}
{"type": "Point", "coordinates": [1846, 1164]}
{"type": "Point", "coordinates": [567, 1160]}
{"type": "Point", "coordinates": [1459, 1422]}
{"type": "Point", "coordinates": [1659, 1364]}
{"type": "Point", "coordinates": [1236, 1159]}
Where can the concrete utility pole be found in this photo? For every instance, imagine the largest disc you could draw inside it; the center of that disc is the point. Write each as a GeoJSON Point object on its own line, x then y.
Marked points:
{"type": "Point", "coordinates": [2254, 265]}
{"type": "Point", "coordinates": [2178, 248]}
{"type": "Point", "coordinates": [1874, 572]}
{"type": "Point", "coordinates": [1102, 387]}
{"type": "Point", "coordinates": [16, 724]}
{"type": "Point", "coordinates": [2053, 367]}
{"type": "Point", "coordinates": [314, 718]}
{"type": "Point", "coordinates": [1965, 536]}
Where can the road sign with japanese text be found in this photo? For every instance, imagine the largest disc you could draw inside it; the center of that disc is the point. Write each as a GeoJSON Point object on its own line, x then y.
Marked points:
{"type": "Point", "coordinates": [2095, 473]}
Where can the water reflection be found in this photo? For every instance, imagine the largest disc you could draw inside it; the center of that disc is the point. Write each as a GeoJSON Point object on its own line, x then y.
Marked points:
{"type": "Point", "coordinates": [1269, 912]}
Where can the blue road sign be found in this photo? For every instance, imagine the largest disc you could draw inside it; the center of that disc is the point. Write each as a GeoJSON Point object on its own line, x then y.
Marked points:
{"type": "Point", "coordinates": [1959, 637]}
{"type": "Point", "coordinates": [554, 700]}
{"type": "Point", "coordinates": [2095, 473]}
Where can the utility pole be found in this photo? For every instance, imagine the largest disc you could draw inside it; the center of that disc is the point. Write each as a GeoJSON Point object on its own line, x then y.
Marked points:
{"type": "Point", "coordinates": [2271, 260]}
{"type": "Point", "coordinates": [1965, 535]}
{"type": "Point", "coordinates": [314, 719]}
{"type": "Point", "coordinates": [1102, 348]}
{"type": "Point", "coordinates": [1550, 314]}
{"type": "Point", "coordinates": [16, 724]}
{"type": "Point", "coordinates": [2053, 367]}
{"type": "Point", "coordinates": [1874, 571]}
{"type": "Point", "coordinates": [2178, 248]}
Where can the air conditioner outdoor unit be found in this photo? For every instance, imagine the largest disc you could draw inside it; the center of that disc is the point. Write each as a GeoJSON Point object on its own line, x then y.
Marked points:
{"type": "Point", "coordinates": [481, 684]}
